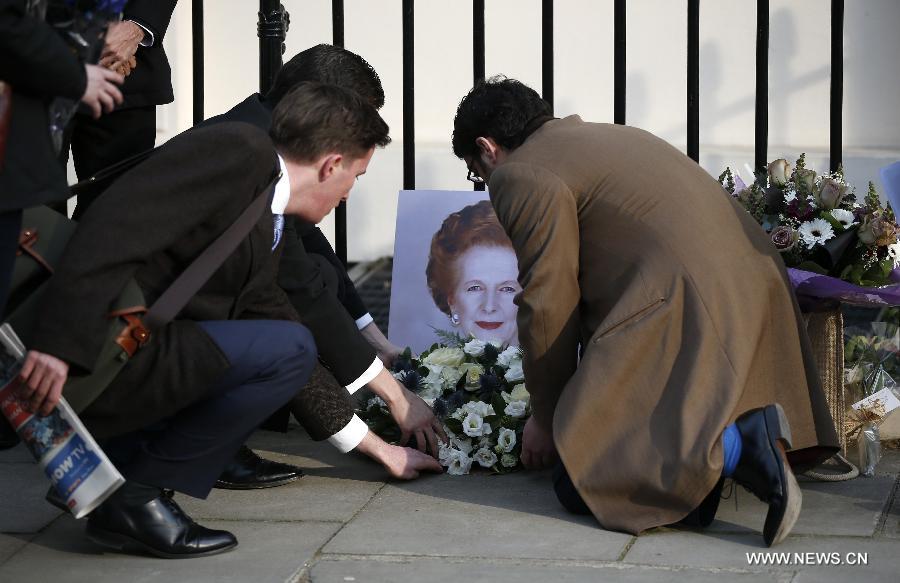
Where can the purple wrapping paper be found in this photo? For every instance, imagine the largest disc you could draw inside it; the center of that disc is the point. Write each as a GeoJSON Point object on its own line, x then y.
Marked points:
{"type": "Point", "coordinates": [807, 283]}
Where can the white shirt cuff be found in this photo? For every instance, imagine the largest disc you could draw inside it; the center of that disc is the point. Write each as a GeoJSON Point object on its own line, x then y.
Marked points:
{"type": "Point", "coordinates": [364, 321]}
{"type": "Point", "coordinates": [366, 377]}
{"type": "Point", "coordinates": [350, 436]}
{"type": "Point", "coordinates": [149, 39]}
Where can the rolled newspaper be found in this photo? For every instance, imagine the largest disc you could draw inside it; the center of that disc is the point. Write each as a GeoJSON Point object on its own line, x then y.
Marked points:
{"type": "Point", "coordinates": [76, 466]}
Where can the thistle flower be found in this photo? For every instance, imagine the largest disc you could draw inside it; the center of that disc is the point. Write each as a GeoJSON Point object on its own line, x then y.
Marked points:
{"type": "Point", "coordinates": [412, 380]}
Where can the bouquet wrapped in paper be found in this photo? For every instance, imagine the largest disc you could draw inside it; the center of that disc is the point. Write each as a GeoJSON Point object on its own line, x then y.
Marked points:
{"type": "Point", "coordinates": [477, 390]}
{"type": "Point", "coordinates": [836, 246]}
{"type": "Point", "coordinates": [872, 359]}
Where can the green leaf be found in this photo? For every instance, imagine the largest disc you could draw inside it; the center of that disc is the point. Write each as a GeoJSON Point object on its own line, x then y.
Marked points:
{"type": "Point", "coordinates": [813, 267]}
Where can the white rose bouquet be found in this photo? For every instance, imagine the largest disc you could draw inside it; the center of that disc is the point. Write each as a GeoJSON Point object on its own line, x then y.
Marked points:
{"type": "Point", "coordinates": [477, 389]}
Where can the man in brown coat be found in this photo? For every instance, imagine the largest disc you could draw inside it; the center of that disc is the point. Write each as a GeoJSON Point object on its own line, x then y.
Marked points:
{"type": "Point", "coordinates": [694, 365]}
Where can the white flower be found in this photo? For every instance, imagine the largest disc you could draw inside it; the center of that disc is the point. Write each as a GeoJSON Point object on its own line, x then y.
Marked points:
{"type": "Point", "coordinates": [509, 460]}
{"type": "Point", "coordinates": [485, 441]}
{"type": "Point", "coordinates": [515, 373]}
{"type": "Point", "coordinates": [844, 217]}
{"type": "Point", "coordinates": [434, 381]}
{"type": "Point", "coordinates": [462, 444]}
{"type": "Point", "coordinates": [444, 453]}
{"type": "Point", "coordinates": [451, 376]}
{"type": "Point", "coordinates": [479, 408]}
{"type": "Point", "coordinates": [474, 347]}
{"type": "Point", "coordinates": [519, 393]}
{"type": "Point", "coordinates": [473, 425]}
{"type": "Point", "coordinates": [894, 253]}
{"type": "Point", "coordinates": [485, 458]}
{"type": "Point", "coordinates": [446, 356]}
{"type": "Point", "coordinates": [506, 357]}
{"type": "Point", "coordinates": [506, 439]}
{"type": "Point", "coordinates": [459, 463]}
{"type": "Point", "coordinates": [473, 374]}
{"type": "Point", "coordinates": [815, 232]}
{"type": "Point", "coordinates": [516, 409]}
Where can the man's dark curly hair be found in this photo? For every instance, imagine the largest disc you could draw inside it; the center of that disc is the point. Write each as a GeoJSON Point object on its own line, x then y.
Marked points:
{"type": "Point", "coordinates": [329, 64]}
{"type": "Point", "coordinates": [498, 108]}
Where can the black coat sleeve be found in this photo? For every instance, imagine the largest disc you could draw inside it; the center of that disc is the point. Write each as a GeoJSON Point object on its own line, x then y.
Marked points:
{"type": "Point", "coordinates": [315, 242]}
{"type": "Point", "coordinates": [34, 59]}
{"type": "Point", "coordinates": [341, 346]}
{"type": "Point", "coordinates": [153, 14]}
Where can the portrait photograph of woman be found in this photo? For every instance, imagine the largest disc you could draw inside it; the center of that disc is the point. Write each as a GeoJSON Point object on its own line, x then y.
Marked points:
{"type": "Point", "coordinates": [454, 270]}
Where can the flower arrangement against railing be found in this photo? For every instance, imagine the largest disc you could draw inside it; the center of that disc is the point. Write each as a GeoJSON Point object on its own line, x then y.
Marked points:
{"type": "Point", "coordinates": [477, 390]}
{"type": "Point", "coordinates": [821, 229]}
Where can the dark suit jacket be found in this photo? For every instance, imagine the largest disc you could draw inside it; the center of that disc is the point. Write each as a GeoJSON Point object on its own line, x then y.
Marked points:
{"type": "Point", "coordinates": [341, 347]}
{"type": "Point", "coordinates": [150, 83]}
{"type": "Point", "coordinates": [151, 224]}
{"type": "Point", "coordinates": [39, 66]}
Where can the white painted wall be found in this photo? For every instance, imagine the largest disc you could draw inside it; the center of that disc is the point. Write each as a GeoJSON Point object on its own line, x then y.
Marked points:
{"type": "Point", "coordinates": [798, 78]}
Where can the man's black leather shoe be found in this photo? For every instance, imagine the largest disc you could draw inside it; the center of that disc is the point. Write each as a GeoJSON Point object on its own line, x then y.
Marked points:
{"type": "Point", "coordinates": [764, 471]}
{"type": "Point", "coordinates": [704, 514]}
{"type": "Point", "coordinates": [248, 471]}
{"type": "Point", "coordinates": [159, 527]}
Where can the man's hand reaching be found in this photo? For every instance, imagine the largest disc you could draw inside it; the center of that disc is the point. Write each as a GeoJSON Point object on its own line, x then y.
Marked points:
{"type": "Point", "coordinates": [413, 416]}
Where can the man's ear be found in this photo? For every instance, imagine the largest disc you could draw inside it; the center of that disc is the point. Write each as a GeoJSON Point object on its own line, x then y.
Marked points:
{"type": "Point", "coordinates": [328, 165]}
{"type": "Point", "coordinates": [488, 148]}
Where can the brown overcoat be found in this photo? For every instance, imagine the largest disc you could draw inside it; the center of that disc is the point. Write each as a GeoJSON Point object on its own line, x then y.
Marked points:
{"type": "Point", "coordinates": [679, 302]}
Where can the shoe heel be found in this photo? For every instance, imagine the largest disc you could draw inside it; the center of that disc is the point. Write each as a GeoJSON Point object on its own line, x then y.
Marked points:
{"type": "Point", "coordinates": [776, 418]}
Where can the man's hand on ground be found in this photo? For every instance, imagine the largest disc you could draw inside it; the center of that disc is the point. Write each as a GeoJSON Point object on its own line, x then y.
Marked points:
{"type": "Point", "coordinates": [403, 463]}
{"type": "Point", "coordinates": [538, 449]}
{"type": "Point", "coordinates": [412, 414]}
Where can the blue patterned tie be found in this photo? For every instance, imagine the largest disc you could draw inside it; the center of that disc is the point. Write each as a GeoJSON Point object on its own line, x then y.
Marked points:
{"type": "Point", "coordinates": [278, 221]}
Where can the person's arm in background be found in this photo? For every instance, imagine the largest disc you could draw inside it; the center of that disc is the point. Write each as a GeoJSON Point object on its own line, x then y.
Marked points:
{"type": "Point", "coordinates": [144, 25]}
{"type": "Point", "coordinates": [314, 241]}
{"type": "Point", "coordinates": [35, 61]}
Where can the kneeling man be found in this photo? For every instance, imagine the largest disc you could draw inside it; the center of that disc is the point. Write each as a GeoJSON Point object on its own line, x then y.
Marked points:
{"type": "Point", "coordinates": [694, 363]}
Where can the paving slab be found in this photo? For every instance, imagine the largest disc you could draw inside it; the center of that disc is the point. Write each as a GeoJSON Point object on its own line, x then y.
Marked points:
{"type": "Point", "coordinates": [11, 544]}
{"type": "Point", "coordinates": [372, 570]}
{"type": "Point", "coordinates": [309, 498]}
{"type": "Point", "coordinates": [479, 515]}
{"type": "Point", "coordinates": [674, 548]}
{"type": "Point", "coordinates": [267, 552]}
{"type": "Point", "coordinates": [22, 505]}
{"type": "Point", "coordinates": [16, 454]}
{"type": "Point", "coordinates": [849, 508]}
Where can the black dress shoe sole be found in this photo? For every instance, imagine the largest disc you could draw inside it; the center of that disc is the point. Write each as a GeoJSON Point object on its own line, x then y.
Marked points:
{"type": "Point", "coordinates": [121, 542]}
{"type": "Point", "coordinates": [779, 525]}
{"type": "Point", "coordinates": [222, 485]}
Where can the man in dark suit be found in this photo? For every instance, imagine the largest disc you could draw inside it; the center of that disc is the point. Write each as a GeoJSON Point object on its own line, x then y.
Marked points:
{"type": "Point", "coordinates": [350, 343]}
{"type": "Point", "coordinates": [134, 48]}
{"type": "Point", "coordinates": [186, 401]}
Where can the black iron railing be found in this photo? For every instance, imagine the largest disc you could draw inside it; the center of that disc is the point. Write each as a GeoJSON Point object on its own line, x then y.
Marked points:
{"type": "Point", "coordinates": [273, 26]}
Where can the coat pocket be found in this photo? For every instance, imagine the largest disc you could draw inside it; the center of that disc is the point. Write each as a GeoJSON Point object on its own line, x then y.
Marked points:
{"type": "Point", "coordinates": [630, 319]}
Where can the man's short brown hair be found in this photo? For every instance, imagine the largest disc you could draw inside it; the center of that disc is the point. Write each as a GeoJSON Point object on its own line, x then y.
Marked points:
{"type": "Point", "coordinates": [315, 119]}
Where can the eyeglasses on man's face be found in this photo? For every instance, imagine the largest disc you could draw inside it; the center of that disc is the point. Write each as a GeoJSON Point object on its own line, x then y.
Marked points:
{"type": "Point", "coordinates": [473, 176]}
